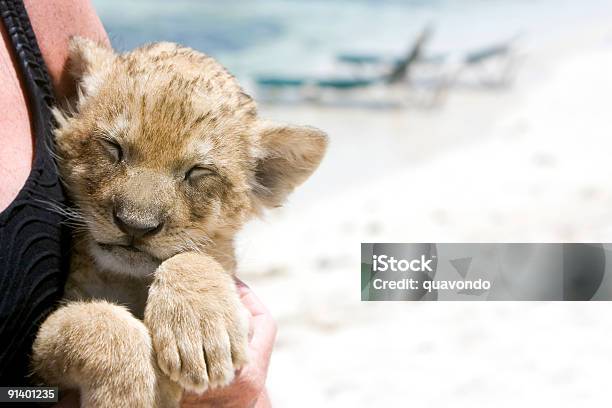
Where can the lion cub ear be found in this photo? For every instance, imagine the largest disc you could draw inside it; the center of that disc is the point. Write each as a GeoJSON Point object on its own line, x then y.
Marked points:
{"type": "Point", "coordinates": [87, 59]}
{"type": "Point", "coordinates": [287, 157]}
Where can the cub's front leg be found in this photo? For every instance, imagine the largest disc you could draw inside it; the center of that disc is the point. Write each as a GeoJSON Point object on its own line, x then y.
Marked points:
{"type": "Point", "coordinates": [100, 349]}
{"type": "Point", "coordinates": [197, 323]}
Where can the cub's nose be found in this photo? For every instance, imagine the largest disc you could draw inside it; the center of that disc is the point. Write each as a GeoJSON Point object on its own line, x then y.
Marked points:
{"type": "Point", "coordinates": [135, 225]}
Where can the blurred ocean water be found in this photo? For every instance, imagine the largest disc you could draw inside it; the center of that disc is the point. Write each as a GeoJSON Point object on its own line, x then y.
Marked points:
{"type": "Point", "coordinates": [298, 36]}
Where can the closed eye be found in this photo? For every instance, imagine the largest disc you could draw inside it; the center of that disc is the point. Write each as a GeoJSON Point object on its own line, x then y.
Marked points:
{"type": "Point", "coordinates": [113, 148]}
{"type": "Point", "coordinates": [197, 172]}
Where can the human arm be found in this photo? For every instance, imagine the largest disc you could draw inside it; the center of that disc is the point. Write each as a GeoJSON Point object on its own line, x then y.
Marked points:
{"type": "Point", "coordinates": [54, 23]}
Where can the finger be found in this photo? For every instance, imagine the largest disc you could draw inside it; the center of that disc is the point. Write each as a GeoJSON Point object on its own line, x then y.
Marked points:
{"type": "Point", "coordinates": [241, 286]}
{"type": "Point", "coordinates": [264, 335]}
{"type": "Point", "coordinates": [262, 324]}
{"type": "Point", "coordinates": [250, 301]}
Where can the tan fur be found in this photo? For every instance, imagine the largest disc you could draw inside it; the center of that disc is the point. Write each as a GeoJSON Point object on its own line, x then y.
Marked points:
{"type": "Point", "coordinates": [127, 149]}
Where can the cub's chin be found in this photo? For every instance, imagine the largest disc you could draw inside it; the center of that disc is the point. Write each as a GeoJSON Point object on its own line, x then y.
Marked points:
{"type": "Point", "coordinates": [123, 259]}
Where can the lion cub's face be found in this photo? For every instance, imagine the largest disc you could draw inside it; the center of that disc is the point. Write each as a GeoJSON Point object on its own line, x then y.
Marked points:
{"type": "Point", "coordinates": [165, 154]}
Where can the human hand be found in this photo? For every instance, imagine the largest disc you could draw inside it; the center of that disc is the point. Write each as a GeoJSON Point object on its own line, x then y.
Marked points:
{"type": "Point", "coordinates": [248, 387]}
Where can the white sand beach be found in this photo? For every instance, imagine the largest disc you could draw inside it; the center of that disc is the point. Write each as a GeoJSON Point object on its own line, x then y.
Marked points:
{"type": "Point", "coordinates": [528, 164]}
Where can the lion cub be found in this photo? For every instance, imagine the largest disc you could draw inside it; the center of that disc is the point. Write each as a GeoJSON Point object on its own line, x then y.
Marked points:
{"type": "Point", "coordinates": [164, 158]}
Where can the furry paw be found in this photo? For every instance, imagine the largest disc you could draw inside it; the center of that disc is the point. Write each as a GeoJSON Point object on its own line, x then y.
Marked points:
{"type": "Point", "coordinates": [198, 326]}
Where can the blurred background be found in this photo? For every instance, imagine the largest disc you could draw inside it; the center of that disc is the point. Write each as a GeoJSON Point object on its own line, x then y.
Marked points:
{"type": "Point", "coordinates": [449, 121]}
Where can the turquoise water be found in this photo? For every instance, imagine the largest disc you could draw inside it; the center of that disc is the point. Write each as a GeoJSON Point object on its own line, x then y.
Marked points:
{"type": "Point", "coordinates": [295, 36]}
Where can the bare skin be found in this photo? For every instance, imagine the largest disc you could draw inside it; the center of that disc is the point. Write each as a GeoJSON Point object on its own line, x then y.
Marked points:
{"type": "Point", "coordinates": [16, 149]}
{"type": "Point", "coordinates": [55, 22]}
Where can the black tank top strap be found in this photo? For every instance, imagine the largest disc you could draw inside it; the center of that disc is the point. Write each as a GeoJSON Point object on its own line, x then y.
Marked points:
{"type": "Point", "coordinates": [33, 72]}
{"type": "Point", "coordinates": [34, 242]}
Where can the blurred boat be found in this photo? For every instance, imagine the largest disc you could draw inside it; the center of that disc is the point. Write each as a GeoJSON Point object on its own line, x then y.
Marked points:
{"type": "Point", "coordinates": [492, 65]}
{"type": "Point", "coordinates": [389, 76]}
{"type": "Point", "coordinates": [415, 77]}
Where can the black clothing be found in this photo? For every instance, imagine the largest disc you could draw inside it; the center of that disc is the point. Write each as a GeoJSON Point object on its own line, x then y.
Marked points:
{"type": "Point", "coordinates": [33, 241]}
